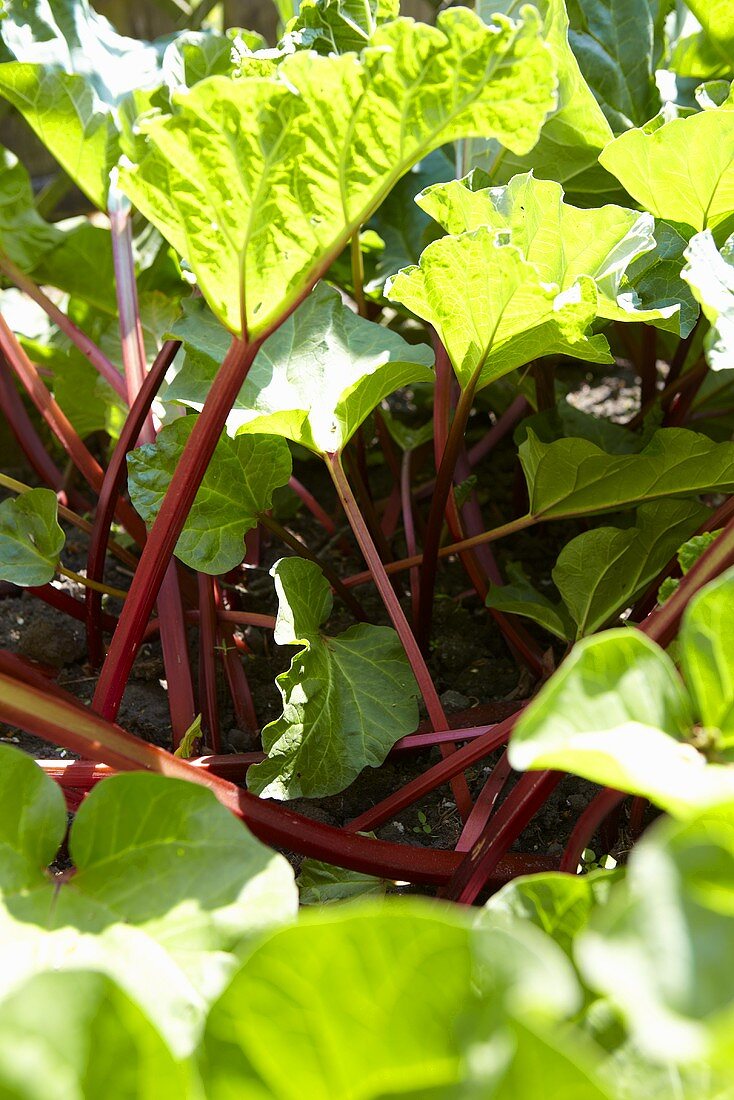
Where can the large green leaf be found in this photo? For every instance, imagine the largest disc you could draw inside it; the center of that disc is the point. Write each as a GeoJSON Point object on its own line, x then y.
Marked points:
{"type": "Point", "coordinates": [659, 948]}
{"type": "Point", "coordinates": [238, 485]}
{"type": "Point", "coordinates": [168, 885]}
{"type": "Point", "coordinates": [314, 381]}
{"type": "Point", "coordinates": [69, 75]}
{"type": "Point", "coordinates": [616, 712]}
{"type": "Point", "coordinates": [655, 276]}
{"type": "Point", "coordinates": [30, 538]}
{"type": "Point", "coordinates": [707, 655]}
{"type": "Point", "coordinates": [260, 182]}
{"type": "Point", "coordinates": [575, 477]}
{"type": "Point", "coordinates": [682, 170]}
{"type": "Point", "coordinates": [710, 274]}
{"type": "Point", "coordinates": [615, 44]}
{"type": "Point", "coordinates": [75, 1034]}
{"type": "Point", "coordinates": [600, 572]}
{"type": "Point", "coordinates": [346, 699]}
{"type": "Point", "coordinates": [383, 1001]}
{"type": "Point", "coordinates": [560, 240]}
{"type": "Point", "coordinates": [493, 310]}
{"type": "Point", "coordinates": [573, 135]}
{"type": "Point", "coordinates": [24, 235]}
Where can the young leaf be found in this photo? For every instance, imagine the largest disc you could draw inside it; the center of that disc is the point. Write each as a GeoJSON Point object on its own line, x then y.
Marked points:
{"type": "Point", "coordinates": [561, 241]}
{"type": "Point", "coordinates": [681, 170]}
{"type": "Point", "coordinates": [572, 477]}
{"type": "Point", "coordinates": [572, 136]}
{"type": "Point", "coordinates": [346, 700]}
{"type": "Point", "coordinates": [601, 572]}
{"type": "Point", "coordinates": [707, 654]}
{"type": "Point", "coordinates": [314, 381]}
{"type": "Point", "coordinates": [615, 44]}
{"type": "Point", "coordinates": [710, 274]}
{"type": "Point", "coordinates": [168, 885]}
{"type": "Point", "coordinates": [238, 485]}
{"type": "Point", "coordinates": [258, 229]}
{"type": "Point", "coordinates": [24, 235]}
{"type": "Point", "coordinates": [322, 884]}
{"type": "Point", "coordinates": [30, 538]}
{"type": "Point", "coordinates": [519, 597]}
{"type": "Point", "coordinates": [83, 1037]}
{"type": "Point", "coordinates": [493, 310]}
{"type": "Point", "coordinates": [616, 713]}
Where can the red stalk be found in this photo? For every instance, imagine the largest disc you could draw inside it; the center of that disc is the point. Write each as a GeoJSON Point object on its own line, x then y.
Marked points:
{"type": "Point", "coordinates": [207, 662]}
{"type": "Point", "coordinates": [485, 804]}
{"type": "Point", "coordinates": [426, 685]}
{"type": "Point", "coordinates": [313, 506]}
{"type": "Point", "coordinates": [598, 809]}
{"type": "Point", "coordinates": [479, 866]}
{"type": "Point", "coordinates": [168, 525]}
{"type": "Point", "coordinates": [411, 545]}
{"type": "Point", "coordinates": [239, 687]}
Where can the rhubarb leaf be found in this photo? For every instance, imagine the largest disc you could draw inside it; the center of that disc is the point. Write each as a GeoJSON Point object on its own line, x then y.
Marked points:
{"type": "Point", "coordinates": [32, 823]}
{"type": "Point", "coordinates": [168, 886]}
{"type": "Point", "coordinates": [656, 277]}
{"type": "Point", "coordinates": [617, 713]}
{"type": "Point", "coordinates": [238, 485]}
{"type": "Point", "coordinates": [562, 241]}
{"type": "Point", "coordinates": [710, 274]}
{"type": "Point", "coordinates": [707, 656]}
{"type": "Point", "coordinates": [519, 597]}
{"type": "Point", "coordinates": [346, 699]}
{"type": "Point", "coordinates": [30, 538]}
{"type": "Point", "coordinates": [24, 235]}
{"type": "Point", "coordinates": [314, 381]}
{"type": "Point", "coordinates": [717, 20]}
{"type": "Point", "coordinates": [601, 572]}
{"type": "Point", "coordinates": [259, 183]}
{"type": "Point", "coordinates": [338, 26]}
{"type": "Point", "coordinates": [82, 1036]}
{"type": "Point", "coordinates": [493, 310]}
{"type": "Point", "coordinates": [572, 477]}
{"type": "Point", "coordinates": [681, 170]}
{"type": "Point", "coordinates": [573, 134]}
{"type": "Point", "coordinates": [323, 884]}
{"type": "Point", "coordinates": [615, 44]}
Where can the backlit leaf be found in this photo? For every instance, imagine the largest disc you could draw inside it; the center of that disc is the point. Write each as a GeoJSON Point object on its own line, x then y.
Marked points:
{"type": "Point", "coordinates": [346, 699]}
{"type": "Point", "coordinates": [259, 183]}
{"type": "Point", "coordinates": [24, 235]}
{"type": "Point", "coordinates": [710, 274]}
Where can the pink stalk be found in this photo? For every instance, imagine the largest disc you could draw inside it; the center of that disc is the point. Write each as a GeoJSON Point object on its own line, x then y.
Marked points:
{"type": "Point", "coordinates": [583, 831]}
{"type": "Point", "coordinates": [426, 685]}
{"type": "Point", "coordinates": [86, 346]}
{"type": "Point", "coordinates": [207, 662]}
{"type": "Point", "coordinates": [411, 545]}
{"type": "Point", "coordinates": [239, 687]}
{"type": "Point", "coordinates": [391, 514]}
{"type": "Point", "coordinates": [310, 501]}
{"type": "Point", "coordinates": [485, 804]}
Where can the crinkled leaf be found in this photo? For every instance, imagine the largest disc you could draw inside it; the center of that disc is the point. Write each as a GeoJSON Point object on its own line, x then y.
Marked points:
{"type": "Point", "coordinates": [601, 572]}
{"type": "Point", "coordinates": [168, 884]}
{"type": "Point", "coordinates": [259, 183]}
{"type": "Point", "coordinates": [616, 713]}
{"type": "Point", "coordinates": [237, 486]}
{"type": "Point", "coordinates": [559, 904]}
{"type": "Point", "coordinates": [707, 654]}
{"type": "Point", "coordinates": [493, 310]}
{"type": "Point", "coordinates": [658, 948]}
{"type": "Point", "coordinates": [561, 241]}
{"type": "Point", "coordinates": [615, 44]}
{"type": "Point", "coordinates": [314, 381]}
{"type": "Point", "coordinates": [76, 1034]}
{"type": "Point", "coordinates": [710, 274]}
{"type": "Point", "coordinates": [30, 538]}
{"type": "Point", "coordinates": [682, 170]}
{"type": "Point", "coordinates": [572, 136]}
{"type": "Point", "coordinates": [346, 699]}
{"type": "Point", "coordinates": [322, 883]}
{"type": "Point", "coordinates": [24, 235]}
{"type": "Point", "coordinates": [337, 26]}
{"type": "Point", "coordinates": [655, 277]}
{"type": "Point", "coordinates": [574, 477]}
